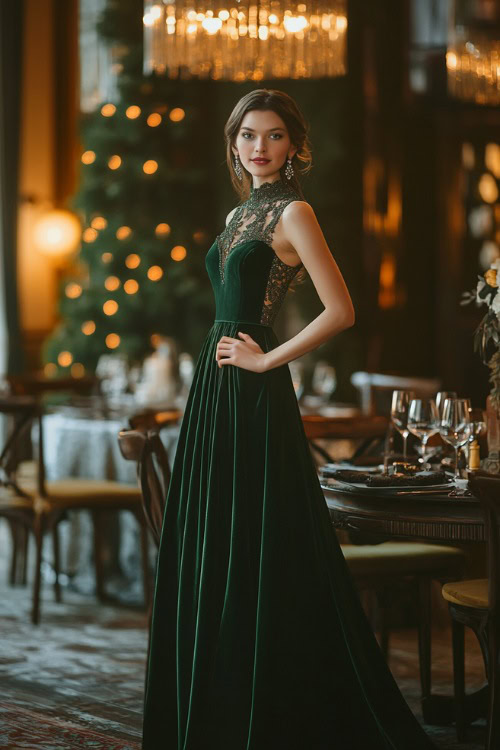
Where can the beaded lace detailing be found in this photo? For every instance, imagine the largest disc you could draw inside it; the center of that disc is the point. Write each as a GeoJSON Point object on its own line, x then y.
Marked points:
{"type": "Point", "coordinates": [256, 219]}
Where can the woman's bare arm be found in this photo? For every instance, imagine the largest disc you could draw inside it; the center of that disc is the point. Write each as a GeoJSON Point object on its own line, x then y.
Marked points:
{"type": "Point", "coordinates": [301, 229]}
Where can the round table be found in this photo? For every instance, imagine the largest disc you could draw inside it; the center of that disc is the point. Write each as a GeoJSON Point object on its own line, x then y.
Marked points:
{"type": "Point", "coordinates": [416, 516]}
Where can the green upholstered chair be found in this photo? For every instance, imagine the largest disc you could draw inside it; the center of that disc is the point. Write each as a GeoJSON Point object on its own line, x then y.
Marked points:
{"type": "Point", "coordinates": [476, 604]}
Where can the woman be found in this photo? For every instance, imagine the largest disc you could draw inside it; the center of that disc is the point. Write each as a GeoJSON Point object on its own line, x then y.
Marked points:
{"type": "Point", "coordinates": [258, 638]}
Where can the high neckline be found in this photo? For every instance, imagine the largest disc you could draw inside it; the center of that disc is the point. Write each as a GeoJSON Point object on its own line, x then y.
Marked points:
{"type": "Point", "coordinates": [270, 189]}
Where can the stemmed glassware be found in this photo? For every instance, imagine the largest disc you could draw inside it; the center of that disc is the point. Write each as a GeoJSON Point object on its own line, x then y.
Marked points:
{"type": "Point", "coordinates": [455, 426]}
{"type": "Point", "coordinates": [423, 421]}
{"type": "Point", "coordinates": [324, 380]}
{"type": "Point", "coordinates": [441, 398]}
{"type": "Point", "coordinates": [399, 414]}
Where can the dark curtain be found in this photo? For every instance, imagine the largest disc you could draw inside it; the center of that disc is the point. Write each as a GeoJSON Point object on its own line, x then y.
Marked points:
{"type": "Point", "coordinates": [11, 15]}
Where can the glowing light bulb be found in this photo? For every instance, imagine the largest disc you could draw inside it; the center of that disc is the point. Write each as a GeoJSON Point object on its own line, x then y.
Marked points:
{"type": "Point", "coordinates": [88, 328]}
{"type": "Point", "coordinates": [177, 114]}
{"type": "Point", "coordinates": [108, 110]}
{"type": "Point", "coordinates": [133, 112]}
{"type": "Point", "coordinates": [162, 230]}
{"type": "Point", "coordinates": [73, 291]}
{"type": "Point", "coordinates": [112, 340]}
{"type": "Point", "coordinates": [110, 307]}
{"type": "Point", "coordinates": [131, 286]}
{"type": "Point", "coordinates": [154, 120]}
{"type": "Point", "coordinates": [123, 232]}
{"type": "Point", "coordinates": [65, 359]}
{"type": "Point", "coordinates": [112, 283]}
{"type": "Point", "coordinates": [88, 157]}
{"type": "Point", "coordinates": [132, 260]}
{"type": "Point", "coordinates": [155, 273]}
{"type": "Point", "coordinates": [178, 252]}
{"type": "Point", "coordinates": [150, 166]}
{"type": "Point", "coordinates": [114, 162]}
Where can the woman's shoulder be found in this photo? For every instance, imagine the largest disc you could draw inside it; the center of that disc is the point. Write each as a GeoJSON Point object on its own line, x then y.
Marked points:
{"type": "Point", "coordinates": [298, 211]}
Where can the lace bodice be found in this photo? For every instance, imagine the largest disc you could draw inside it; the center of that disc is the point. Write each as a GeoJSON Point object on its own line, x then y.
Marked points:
{"type": "Point", "coordinates": [256, 219]}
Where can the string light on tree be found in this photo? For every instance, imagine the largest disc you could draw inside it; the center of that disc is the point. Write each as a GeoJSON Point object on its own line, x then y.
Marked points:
{"type": "Point", "coordinates": [132, 260]}
{"type": "Point", "coordinates": [112, 340]}
{"type": "Point", "coordinates": [133, 112]}
{"type": "Point", "coordinates": [108, 110]}
{"type": "Point", "coordinates": [107, 257]}
{"type": "Point", "coordinates": [88, 328]}
{"type": "Point", "coordinates": [114, 162]}
{"type": "Point", "coordinates": [90, 234]}
{"type": "Point", "coordinates": [131, 286]}
{"type": "Point", "coordinates": [110, 307]}
{"type": "Point", "coordinates": [150, 166]}
{"type": "Point", "coordinates": [122, 233]}
{"type": "Point", "coordinates": [155, 273]}
{"type": "Point", "coordinates": [65, 358]}
{"type": "Point", "coordinates": [77, 370]}
{"type": "Point", "coordinates": [73, 290]}
{"type": "Point", "coordinates": [154, 120]}
{"type": "Point", "coordinates": [178, 253]}
{"type": "Point", "coordinates": [50, 370]}
{"type": "Point", "coordinates": [162, 230]}
{"type": "Point", "coordinates": [112, 283]}
{"type": "Point", "coordinates": [177, 114]}
{"type": "Point", "coordinates": [88, 157]}
{"type": "Point", "coordinates": [99, 223]}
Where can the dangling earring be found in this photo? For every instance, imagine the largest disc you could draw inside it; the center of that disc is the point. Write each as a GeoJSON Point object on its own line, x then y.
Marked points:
{"type": "Point", "coordinates": [289, 169]}
{"type": "Point", "coordinates": [237, 167]}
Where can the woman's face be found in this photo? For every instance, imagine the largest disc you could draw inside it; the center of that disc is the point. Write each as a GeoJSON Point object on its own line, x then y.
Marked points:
{"type": "Point", "coordinates": [263, 134]}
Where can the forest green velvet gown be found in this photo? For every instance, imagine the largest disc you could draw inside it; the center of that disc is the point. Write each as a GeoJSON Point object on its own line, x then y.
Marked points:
{"type": "Point", "coordinates": [258, 639]}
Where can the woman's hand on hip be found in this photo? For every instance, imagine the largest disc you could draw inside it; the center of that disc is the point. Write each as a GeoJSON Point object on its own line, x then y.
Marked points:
{"type": "Point", "coordinates": [244, 352]}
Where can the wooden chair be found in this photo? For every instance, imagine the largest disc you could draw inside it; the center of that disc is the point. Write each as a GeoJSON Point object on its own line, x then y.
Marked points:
{"type": "Point", "coordinates": [153, 470]}
{"type": "Point", "coordinates": [383, 567]}
{"type": "Point", "coordinates": [376, 389]}
{"type": "Point", "coordinates": [49, 502]}
{"type": "Point", "coordinates": [476, 604]}
{"type": "Point", "coordinates": [387, 567]}
{"type": "Point", "coordinates": [362, 429]}
{"type": "Point", "coordinates": [15, 505]}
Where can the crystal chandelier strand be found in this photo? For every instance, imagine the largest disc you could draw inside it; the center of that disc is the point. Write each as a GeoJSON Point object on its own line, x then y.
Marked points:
{"type": "Point", "coordinates": [245, 41]}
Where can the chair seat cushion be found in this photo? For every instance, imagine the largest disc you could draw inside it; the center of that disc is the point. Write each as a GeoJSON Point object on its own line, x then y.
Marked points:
{"type": "Point", "coordinates": [402, 558]}
{"type": "Point", "coordinates": [473, 593]}
{"type": "Point", "coordinates": [83, 493]}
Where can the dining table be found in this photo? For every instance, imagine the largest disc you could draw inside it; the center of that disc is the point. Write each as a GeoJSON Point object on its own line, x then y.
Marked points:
{"type": "Point", "coordinates": [418, 514]}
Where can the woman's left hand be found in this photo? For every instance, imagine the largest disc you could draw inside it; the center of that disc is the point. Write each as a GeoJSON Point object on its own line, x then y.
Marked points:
{"type": "Point", "coordinates": [245, 353]}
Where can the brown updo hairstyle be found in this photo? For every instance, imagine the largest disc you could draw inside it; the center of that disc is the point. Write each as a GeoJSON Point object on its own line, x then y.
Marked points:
{"type": "Point", "coordinates": [298, 129]}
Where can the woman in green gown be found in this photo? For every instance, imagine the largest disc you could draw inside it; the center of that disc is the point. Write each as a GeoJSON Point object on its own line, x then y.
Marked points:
{"type": "Point", "coordinates": [258, 638]}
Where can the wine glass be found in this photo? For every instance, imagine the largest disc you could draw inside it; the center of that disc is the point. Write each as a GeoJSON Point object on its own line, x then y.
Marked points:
{"type": "Point", "coordinates": [455, 426]}
{"type": "Point", "coordinates": [297, 373]}
{"type": "Point", "coordinates": [399, 414]}
{"type": "Point", "coordinates": [441, 397]}
{"type": "Point", "coordinates": [324, 380]}
{"type": "Point", "coordinates": [423, 421]}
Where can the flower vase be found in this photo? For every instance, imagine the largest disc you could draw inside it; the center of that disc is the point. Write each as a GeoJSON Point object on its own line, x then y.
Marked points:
{"type": "Point", "coordinates": [492, 462]}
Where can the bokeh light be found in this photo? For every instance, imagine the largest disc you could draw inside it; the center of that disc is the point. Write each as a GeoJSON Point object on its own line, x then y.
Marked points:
{"type": "Point", "coordinates": [178, 252]}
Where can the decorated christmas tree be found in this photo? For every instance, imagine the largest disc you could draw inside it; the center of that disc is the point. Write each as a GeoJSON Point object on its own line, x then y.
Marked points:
{"type": "Point", "coordinates": [142, 200]}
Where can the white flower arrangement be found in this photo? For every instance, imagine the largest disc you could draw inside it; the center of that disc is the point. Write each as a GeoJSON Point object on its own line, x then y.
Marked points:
{"type": "Point", "coordinates": [487, 334]}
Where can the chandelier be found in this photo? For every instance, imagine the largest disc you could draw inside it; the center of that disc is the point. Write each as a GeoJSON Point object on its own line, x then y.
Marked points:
{"type": "Point", "coordinates": [245, 41]}
{"type": "Point", "coordinates": [473, 51]}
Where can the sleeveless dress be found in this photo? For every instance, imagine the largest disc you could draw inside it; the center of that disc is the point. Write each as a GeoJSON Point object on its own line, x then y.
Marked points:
{"type": "Point", "coordinates": [258, 638]}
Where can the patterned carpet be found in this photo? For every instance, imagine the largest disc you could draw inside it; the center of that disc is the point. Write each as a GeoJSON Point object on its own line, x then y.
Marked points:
{"type": "Point", "coordinates": [76, 681]}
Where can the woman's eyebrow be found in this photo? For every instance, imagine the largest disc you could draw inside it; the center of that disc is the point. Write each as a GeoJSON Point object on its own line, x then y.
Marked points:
{"type": "Point", "coordinates": [253, 131]}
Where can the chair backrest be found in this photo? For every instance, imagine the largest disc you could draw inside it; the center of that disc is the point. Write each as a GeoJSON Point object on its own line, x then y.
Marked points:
{"type": "Point", "coordinates": [153, 471]}
{"type": "Point", "coordinates": [22, 412]}
{"type": "Point", "coordinates": [487, 491]}
{"type": "Point", "coordinates": [154, 419]}
{"type": "Point", "coordinates": [376, 389]}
